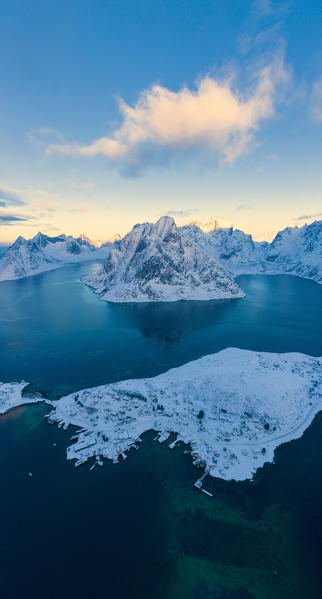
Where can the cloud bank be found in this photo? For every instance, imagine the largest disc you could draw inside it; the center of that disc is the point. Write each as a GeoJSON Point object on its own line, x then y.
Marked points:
{"type": "Point", "coordinates": [309, 216]}
{"type": "Point", "coordinates": [214, 117]}
{"type": "Point", "coordinates": [8, 197]}
{"type": "Point", "coordinates": [9, 219]}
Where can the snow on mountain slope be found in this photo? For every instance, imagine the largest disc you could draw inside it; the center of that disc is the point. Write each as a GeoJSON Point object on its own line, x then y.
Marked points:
{"type": "Point", "coordinates": [235, 251]}
{"type": "Point", "coordinates": [154, 262]}
{"type": "Point", "coordinates": [295, 250]}
{"type": "Point", "coordinates": [27, 257]}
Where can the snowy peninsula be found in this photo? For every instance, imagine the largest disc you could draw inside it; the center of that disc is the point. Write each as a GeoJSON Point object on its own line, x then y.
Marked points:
{"type": "Point", "coordinates": [232, 408]}
{"type": "Point", "coordinates": [11, 396]}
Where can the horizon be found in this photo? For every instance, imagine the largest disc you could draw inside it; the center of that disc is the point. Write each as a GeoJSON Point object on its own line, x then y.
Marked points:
{"type": "Point", "coordinates": [218, 224]}
{"type": "Point", "coordinates": [222, 116]}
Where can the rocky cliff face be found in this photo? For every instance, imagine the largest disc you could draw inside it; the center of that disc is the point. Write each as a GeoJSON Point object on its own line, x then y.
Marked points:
{"type": "Point", "coordinates": [154, 262]}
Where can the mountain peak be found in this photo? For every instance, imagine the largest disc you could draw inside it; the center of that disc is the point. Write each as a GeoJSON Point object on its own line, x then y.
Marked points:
{"type": "Point", "coordinates": [155, 263]}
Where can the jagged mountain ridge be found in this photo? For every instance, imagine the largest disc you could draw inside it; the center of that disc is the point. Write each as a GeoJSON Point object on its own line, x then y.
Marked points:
{"type": "Point", "coordinates": [154, 262]}
{"type": "Point", "coordinates": [27, 257]}
{"type": "Point", "coordinates": [295, 250]}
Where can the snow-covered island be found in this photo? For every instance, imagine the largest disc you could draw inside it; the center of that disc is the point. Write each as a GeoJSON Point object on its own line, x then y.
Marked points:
{"type": "Point", "coordinates": [154, 263]}
{"type": "Point", "coordinates": [11, 396]}
{"type": "Point", "coordinates": [232, 408]}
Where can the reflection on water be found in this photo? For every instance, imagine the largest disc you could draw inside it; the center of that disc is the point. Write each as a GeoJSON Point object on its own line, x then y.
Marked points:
{"type": "Point", "coordinates": [168, 321]}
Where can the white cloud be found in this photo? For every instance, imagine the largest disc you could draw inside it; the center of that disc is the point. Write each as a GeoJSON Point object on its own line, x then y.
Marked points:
{"type": "Point", "coordinates": [242, 207]}
{"type": "Point", "coordinates": [215, 117]}
{"type": "Point", "coordinates": [181, 213]}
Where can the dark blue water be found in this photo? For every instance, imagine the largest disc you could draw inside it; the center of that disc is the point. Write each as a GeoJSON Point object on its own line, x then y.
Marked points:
{"type": "Point", "coordinates": [140, 530]}
{"type": "Point", "coordinates": [55, 332]}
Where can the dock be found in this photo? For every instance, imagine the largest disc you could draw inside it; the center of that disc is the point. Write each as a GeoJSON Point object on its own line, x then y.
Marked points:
{"type": "Point", "coordinates": [198, 484]}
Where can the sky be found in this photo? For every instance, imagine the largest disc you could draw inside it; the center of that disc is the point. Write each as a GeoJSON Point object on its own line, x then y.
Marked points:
{"type": "Point", "coordinates": [117, 112]}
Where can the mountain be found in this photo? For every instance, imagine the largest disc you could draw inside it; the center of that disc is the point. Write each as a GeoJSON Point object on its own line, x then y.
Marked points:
{"type": "Point", "coordinates": [295, 250]}
{"type": "Point", "coordinates": [27, 257]}
{"type": "Point", "coordinates": [234, 250]}
{"type": "Point", "coordinates": [154, 262]}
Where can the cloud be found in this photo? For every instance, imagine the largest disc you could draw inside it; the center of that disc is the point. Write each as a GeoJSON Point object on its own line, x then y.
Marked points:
{"type": "Point", "coordinates": [183, 213]}
{"type": "Point", "coordinates": [316, 101]}
{"type": "Point", "coordinates": [215, 118]}
{"type": "Point", "coordinates": [309, 216]}
{"type": "Point", "coordinates": [262, 9]}
{"type": "Point", "coordinates": [45, 135]}
{"type": "Point", "coordinates": [8, 197]}
{"type": "Point", "coordinates": [12, 218]}
{"type": "Point", "coordinates": [242, 207]}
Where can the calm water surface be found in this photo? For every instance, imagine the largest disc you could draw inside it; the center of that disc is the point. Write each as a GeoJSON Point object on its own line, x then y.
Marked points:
{"type": "Point", "coordinates": [140, 530]}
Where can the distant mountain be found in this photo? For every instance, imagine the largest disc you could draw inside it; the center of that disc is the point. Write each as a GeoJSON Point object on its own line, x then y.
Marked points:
{"type": "Point", "coordinates": [234, 250]}
{"type": "Point", "coordinates": [27, 257]}
{"type": "Point", "coordinates": [295, 250]}
{"type": "Point", "coordinates": [154, 262]}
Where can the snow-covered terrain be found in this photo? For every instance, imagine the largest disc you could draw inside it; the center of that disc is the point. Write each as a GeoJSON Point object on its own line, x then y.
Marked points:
{"type": "Point", "coordinates": [295, 250]}
{"type": "Point", "coordinates": [27, 257]}
{"type": "Point", "coordinates": [11, 396]}
{"type": "Point", "coordinates": [233, 408]}
{"type": "Point", "coordinates": [154, 262]}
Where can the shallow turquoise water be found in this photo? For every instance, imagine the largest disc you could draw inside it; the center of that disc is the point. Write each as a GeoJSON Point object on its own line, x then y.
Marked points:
{"type": "Point", "coordinates": [113, 532]}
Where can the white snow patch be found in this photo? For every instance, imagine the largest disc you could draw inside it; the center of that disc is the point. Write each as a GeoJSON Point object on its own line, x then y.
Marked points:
{"type": "Point", "coordinates": [11, 396]}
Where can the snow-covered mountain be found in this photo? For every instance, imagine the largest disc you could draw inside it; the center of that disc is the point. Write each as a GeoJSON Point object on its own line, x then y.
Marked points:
{"type": "Point", "coordinates": [234, 250]}
{"type": "Point", "coordinates": [295, 250]}
{"type": "Point", "coordinates": [154, 262]}
{"type": "Point", "coordinates": [27, 257]}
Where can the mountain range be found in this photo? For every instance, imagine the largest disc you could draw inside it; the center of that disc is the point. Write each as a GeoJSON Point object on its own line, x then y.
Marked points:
{"type": "Point", "coordinates": [27, 257]}
{"type": "Point", "coordinates": [294, 250]}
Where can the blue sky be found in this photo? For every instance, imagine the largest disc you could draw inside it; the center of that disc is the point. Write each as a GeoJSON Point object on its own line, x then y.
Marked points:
{"type": "Point", "coordinates": [115, 112]}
